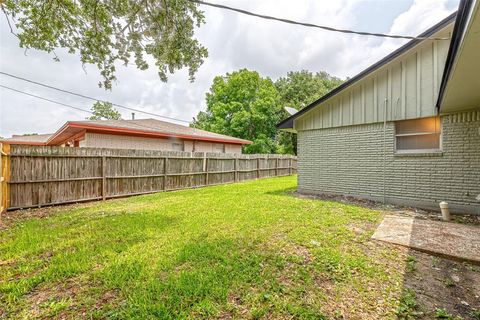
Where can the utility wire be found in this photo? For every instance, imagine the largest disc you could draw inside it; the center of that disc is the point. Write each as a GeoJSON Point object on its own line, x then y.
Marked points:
{"type": "Point", "coordinates": [68, 105]}
{"type": "Point", "coordinates": [90, 98]}
{"type": "Point", "coordinates": [45, 99]}
{"type": "Point", "coordinates": [311, 25]}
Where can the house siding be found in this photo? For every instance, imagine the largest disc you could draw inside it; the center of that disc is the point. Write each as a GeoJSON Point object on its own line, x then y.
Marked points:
{"type": "Point", "coordinates": [99, 140]}
{"type": "Point", "coordinates": [405, 88]}
{"type": "Point", "coordinates": [202, 146]}
{"type": "Point", "coordinates": [349, 160]}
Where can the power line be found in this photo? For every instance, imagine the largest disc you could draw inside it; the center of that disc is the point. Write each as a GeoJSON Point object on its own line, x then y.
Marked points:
{"type": "Point", "coordinates": [67, 105]}
{"type": "Point", "coordinates": [45, 99]}
{"type": "Point", "coordinates": [89, 97]}
{"type": "Point", "coordinates": [311, 25]}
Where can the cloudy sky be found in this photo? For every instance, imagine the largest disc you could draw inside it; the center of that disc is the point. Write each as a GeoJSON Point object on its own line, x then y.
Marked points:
{"type": "Point", "coordinates": [234, 41]}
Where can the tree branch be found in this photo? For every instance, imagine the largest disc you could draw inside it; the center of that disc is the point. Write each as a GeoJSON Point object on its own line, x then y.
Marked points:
{"type": "Point", "coordinates": [8, 20]}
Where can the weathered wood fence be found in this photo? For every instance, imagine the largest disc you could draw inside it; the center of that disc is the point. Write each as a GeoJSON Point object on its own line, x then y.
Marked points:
{"type": "Point", "coordinates": [41, 176]}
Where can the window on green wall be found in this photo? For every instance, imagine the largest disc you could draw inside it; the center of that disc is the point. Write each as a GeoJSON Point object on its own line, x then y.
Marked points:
{"type": "Point", "coordinates": [418, 135]}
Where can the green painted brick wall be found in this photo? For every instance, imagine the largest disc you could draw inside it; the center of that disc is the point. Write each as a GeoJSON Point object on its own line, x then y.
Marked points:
{"type": "Point", "coordinates": [350, 160]}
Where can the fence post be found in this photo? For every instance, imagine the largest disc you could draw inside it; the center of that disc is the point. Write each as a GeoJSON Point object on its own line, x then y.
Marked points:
{"type": "Point", "coordinates": [235, 168]}
{"type": "Point", "coordinates": [4, 177]}
{"type": "Point", "coordinates": [276, 166]}
{"type": "Point", "coordinates": [104, 178]}
{"type": "Point", "coordinates": [206, 171]}
{"type": "Point", "coordinates": [165, 173]}
{"type": "Point", "coordinates": [258, 168]}
{"type": "Point", "coordinates": [290, 166]}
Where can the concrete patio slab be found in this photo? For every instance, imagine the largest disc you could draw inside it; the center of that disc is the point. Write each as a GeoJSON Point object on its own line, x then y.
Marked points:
{"type": "Point", "coordinates": [451, 240]}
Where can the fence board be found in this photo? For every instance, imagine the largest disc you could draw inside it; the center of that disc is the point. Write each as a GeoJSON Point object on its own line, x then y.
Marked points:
{"type": "Point", "coordinates": [40, 176]}
{"type": "Point", "coordinates": [4, 178]}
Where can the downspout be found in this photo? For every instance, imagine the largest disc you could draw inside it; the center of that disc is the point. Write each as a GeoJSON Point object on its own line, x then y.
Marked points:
{"type": "Point", "coordinates": [385, 151]}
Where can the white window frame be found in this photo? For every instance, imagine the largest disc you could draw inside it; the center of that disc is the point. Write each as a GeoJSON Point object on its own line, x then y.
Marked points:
{"type": "Point", "coordinates": [413, 151]}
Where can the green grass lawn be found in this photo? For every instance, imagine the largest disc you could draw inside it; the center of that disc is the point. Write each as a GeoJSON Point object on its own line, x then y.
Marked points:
{"type": "Point", "coordinates": [246, 250]}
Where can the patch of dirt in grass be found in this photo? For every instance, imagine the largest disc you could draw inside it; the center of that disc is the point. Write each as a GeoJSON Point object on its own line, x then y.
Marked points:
{"type": "Point", "coordinates": [439, 283]}
{"type": "Point", "coordinates": [236, 308]}
{"type": "Point", "coordinates": [72, 296]}
{"type": "Point", "coordinates": [13, 217]}
{"type": "Point", "coordinates": [346, 302]}
{"type": "Point", "coordinates": [298, 251]}
{"type": "Point", "coordinates": [366, 297]}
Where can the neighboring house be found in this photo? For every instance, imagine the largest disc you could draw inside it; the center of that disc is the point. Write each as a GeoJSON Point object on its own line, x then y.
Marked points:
{"type": "Point", "coordinates": [146, 134]}
{"type": "Point", "coordinates": [407, 129]}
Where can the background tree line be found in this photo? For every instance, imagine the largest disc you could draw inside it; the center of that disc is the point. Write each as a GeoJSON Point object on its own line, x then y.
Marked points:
{"type": "Point", "coordinates": [246, 105]}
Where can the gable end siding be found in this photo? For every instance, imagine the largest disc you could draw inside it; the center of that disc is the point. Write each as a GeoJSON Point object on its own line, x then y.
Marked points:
{"type": "Point", "coordinates": [408, 85]}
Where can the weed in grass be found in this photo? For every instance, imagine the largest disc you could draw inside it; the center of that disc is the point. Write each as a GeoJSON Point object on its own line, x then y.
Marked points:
{"type": "Point", "coordinates": [449, 283]}
{"type": "Point", "coordinates": [443, 314]}
{"type": "Point", "coordinates": [475, 314]}
{"type": "Point", "coordinates": [408, 308]}
{"type": "Point", "coordinates": [53, 307]}
{"type": "Point", "coordinates": [411, 263]}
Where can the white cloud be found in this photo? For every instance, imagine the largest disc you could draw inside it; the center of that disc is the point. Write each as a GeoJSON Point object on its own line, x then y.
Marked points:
{"type": "Point", "coordinates": [234, 41]}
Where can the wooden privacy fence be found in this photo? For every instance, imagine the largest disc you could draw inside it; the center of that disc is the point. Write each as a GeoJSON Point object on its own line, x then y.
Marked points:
{"type": "Point", "coordinates": [40, 176]}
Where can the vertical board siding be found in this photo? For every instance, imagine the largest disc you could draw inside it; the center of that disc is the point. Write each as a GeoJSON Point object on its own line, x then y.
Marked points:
{"type": "Point", "coordinates": [54, 175]}
{"type": "Point", "coordinates": [408, 83]}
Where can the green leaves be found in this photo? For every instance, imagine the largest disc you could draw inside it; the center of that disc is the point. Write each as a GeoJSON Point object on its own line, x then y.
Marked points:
{"type": "Point", "coordinates": [245, 105]}
{"type": "Point", "coordinates": [104, 110]}
{"type": "Point", "coordinates": [105, 32]}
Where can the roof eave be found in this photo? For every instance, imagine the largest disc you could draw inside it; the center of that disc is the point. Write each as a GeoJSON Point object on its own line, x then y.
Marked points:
{"type": "Point", "coordinates": [442, 24]}
{"type": "Point", "coordinates": [16, 142]}
{"type": "Point", "coordinates": [457, 36]}
{"type": "Point", "coordinates": [72, 124]}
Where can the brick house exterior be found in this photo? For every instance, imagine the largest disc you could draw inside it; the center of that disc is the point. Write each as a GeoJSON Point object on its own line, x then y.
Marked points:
{"type": "Point", "coordinates": [404, 131]}
{"type": "Point", "coordinates": [142, 134]}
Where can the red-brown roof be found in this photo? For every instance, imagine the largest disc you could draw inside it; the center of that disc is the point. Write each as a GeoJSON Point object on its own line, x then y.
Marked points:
{"type": "Point", "coordinates": [141, 127]}
{"type": "Point", "coordinates": [35, 139]}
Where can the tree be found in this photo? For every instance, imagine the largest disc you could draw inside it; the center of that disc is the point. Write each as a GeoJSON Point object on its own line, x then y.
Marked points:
{"type": "Point", "coordinates": [300, 88]}
{"type": "Point", "coordinates": [297, 90]}
{"type": "Point", "coordinates": [104, 110]}
{"type": "Point", "coordinates": [244, 105]}
{"type": "Point", "coordinates": [105, 32]}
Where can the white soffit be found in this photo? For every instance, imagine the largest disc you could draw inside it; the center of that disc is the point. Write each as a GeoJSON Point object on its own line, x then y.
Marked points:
{"type": "Point", "coordinates": [462, 91]}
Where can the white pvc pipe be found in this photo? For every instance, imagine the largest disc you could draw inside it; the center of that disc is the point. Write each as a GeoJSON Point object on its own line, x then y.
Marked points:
{"type": "Point", "coordinates": [445, 211]}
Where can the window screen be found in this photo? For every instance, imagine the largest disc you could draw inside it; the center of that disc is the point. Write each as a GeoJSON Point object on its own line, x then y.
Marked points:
{"type": "Point", "coordinates": [418, 135]}
{"type": "Point", "coordinates": [177, 146]}
{"type": "Point", "coordinates": [219, 148]}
